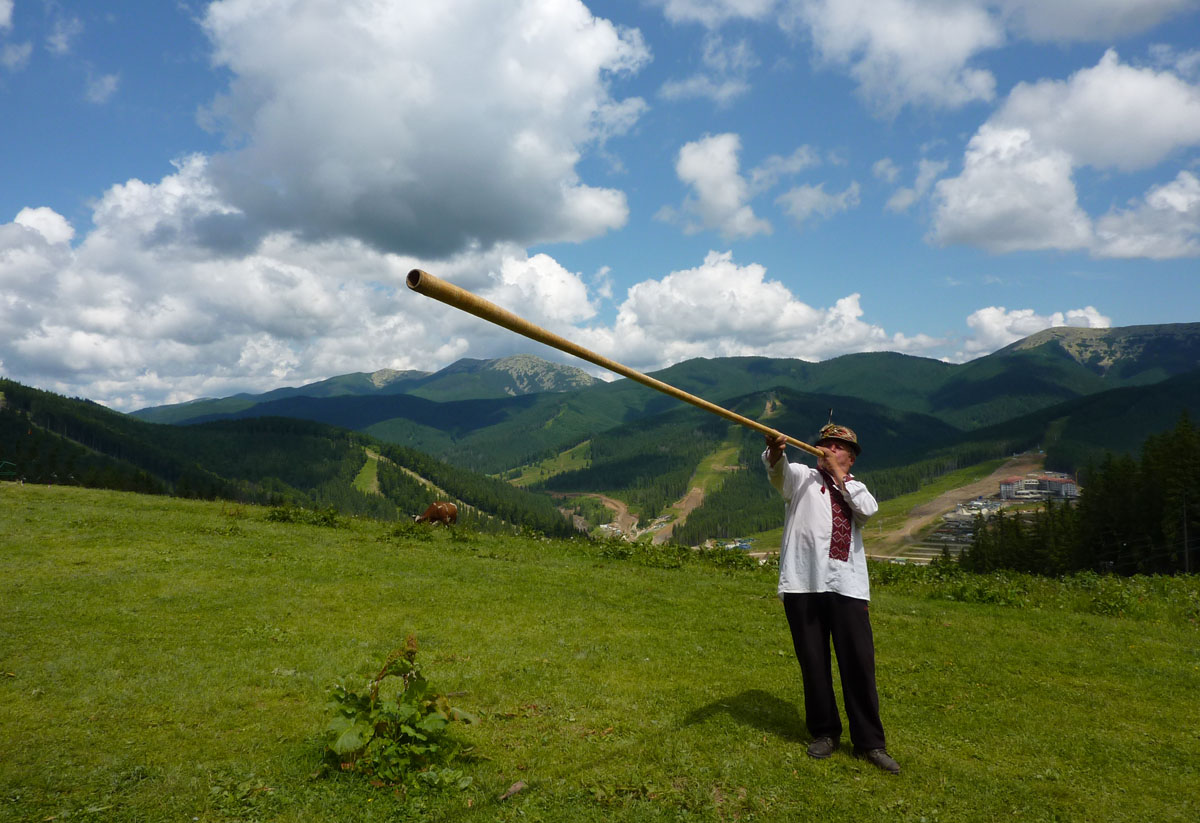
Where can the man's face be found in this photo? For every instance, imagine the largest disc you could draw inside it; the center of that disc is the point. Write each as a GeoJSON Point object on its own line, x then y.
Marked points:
{"type": "Point", "coordinates": [844, 454]}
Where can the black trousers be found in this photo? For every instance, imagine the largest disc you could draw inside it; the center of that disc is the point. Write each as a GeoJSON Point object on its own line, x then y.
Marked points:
{"type": "Point", "coordinates": [815, 619]}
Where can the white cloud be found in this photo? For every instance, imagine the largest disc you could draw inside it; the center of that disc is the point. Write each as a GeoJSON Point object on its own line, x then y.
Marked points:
{"type": "Point", "coordinates": [426, 129]}
{"type": "Point", "coordinates": [101, 88]}
{"type": "Point", "coordinates": [15, 56]}
{"type": "Point", "coordinates": [1011, 195]}
{"type": "Point", "coordinates": [1099, 20]}
{"type": "Point", "coordinates": [63, 33]}
{"type": "Point", "coordinates": [886, 170]}
{"type": "Point", "coordinates": [1184, 63]}
{"type": "Point", "coordinates": [1112, 115]}
{"type": "Point", "coordinates": [995, 326]}
{"type": "Point", "coordinates": [547, 293]}
{"type": "Point", "coordinates": [720, 194]}
{"type": "Point", "coordinates": [6, 10]}
{"type": "Point", "coordinates": [1017, 187]}
{"type": "Point", "coordinates": [776, 167]}
{"type": "Point", "coordinates": [141, 312]}
{"type": "Point", "coordinates": [805, 202]}
{"type": "Point", "coordinates": [1164, 224]}
{"type": "Point", "coordinates": [46, 222]}
{"type": "Point", "coordinates": [927, 171]}
{"type": "Point", "coordinates": [725, 76]}
{"type": "Point", "coordinates": [919, 52]}
{"type": "Point", "coordinates": [904, 52]}
{"type": "Point", "coordinates": [722, 309]}
{"type": "Point", "coordinates": [714, 13]}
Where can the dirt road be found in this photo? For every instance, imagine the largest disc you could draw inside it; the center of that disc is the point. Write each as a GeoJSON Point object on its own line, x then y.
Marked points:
{"type": "Point", "coordinates": [926, 513]}
{"type": "Point", "coordinates": [685, 506]}
{"type": "Point", "coordinates": [625, 522]}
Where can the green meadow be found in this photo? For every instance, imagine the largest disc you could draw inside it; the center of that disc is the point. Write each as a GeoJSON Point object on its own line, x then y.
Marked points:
{"type": "Point", "coordinates": [170, 660]}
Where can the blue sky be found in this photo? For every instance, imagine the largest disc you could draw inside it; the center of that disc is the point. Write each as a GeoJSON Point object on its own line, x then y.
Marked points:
{"type": "Point", "coordinates": [202, 198]}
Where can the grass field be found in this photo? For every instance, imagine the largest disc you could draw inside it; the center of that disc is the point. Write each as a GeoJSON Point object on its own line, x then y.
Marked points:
{"type": "Point", "coordinates": [167, 660]}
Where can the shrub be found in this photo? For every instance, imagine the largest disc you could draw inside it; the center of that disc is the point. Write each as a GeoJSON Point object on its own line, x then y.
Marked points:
{"type": "Point", "coordinates": [312, 517]}
{"type": "Point", "coordinates": [398, 741]}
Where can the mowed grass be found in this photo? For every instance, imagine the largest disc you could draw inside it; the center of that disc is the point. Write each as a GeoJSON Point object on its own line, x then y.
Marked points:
{"type": "Point", "coordinates": [166, 660]}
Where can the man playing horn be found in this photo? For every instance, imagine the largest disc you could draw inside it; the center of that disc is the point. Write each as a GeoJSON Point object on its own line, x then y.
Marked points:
{"type": "Point", "coordinates": [825, 591]}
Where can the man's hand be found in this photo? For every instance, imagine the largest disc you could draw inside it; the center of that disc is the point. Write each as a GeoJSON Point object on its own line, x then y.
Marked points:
{"type": "Point", "coordinates": [775, 447]}
{"type": "Point", "coordinates": [837, 460]}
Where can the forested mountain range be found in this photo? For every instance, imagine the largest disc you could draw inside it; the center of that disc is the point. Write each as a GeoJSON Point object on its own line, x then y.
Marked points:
{"type": "Point", "coordinates": [466, 379]}
{"type": "Point", "coordinates": [1076, 393]}
{"type": "Point", "coordinates": [493, 434]}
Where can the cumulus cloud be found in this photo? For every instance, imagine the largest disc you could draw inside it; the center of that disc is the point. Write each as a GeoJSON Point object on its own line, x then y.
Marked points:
{"type": "Point", "coordinates": [48, 223]}
{"type": "Point", "coordinates": [725, 75]}
{"type": "Point", "coordinates": [920, 52]}
{"type": "Point", "coordinates": [723, 309]}
{"type": "Point", "coordinates": [1011, 195]}
{"type": "Point", "coordinates": [1164, 224]}
{"type": "Point", "coordinates": [995, 326]}
{"type": "Point", "coordinates": [720, 195]}
{"type": "Point", "coordinates": [904, 52]}
{"type": "Point", "coordinates": [1112, 115]}
{"type": "Point", "coordinates": [424, 130]}
{"type": "Point", "coordinates": [1017, 187]}
{"type": "Point", "coordinates": [141, 312]}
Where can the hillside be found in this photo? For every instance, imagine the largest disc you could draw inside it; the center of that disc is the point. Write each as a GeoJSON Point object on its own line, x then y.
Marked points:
{"type": "Point", "coordinates": [276, 460]}
{"type": "Point", "coordinates": [173, 659]}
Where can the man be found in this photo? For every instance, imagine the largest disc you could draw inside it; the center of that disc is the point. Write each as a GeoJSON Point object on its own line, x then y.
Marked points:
{"type": "Point", "coordinates": [825, 592]}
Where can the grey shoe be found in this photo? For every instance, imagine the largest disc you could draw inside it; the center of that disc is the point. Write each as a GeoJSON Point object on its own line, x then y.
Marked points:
{"type": "Point", "coordinates": [822, 747]}
{"type": "Point", "coordinates": [878, 758]}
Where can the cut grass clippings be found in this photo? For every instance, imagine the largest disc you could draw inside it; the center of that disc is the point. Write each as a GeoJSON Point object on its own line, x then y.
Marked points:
{"type": "Point", "coordinates": [165, 660]}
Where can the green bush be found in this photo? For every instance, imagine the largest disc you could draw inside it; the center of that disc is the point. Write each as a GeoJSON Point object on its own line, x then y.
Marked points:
{"type": "Point", "coordinates": [313, 517]}
{"type": "Point", "coordinates": [398, 741]}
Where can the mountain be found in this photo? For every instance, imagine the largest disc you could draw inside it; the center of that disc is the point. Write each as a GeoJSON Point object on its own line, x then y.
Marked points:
{"type": "Point", "coordinates": [465, 379]}
{"type": "Point", "coordinates": [467, 413]}
{"type": "Point", "coordinates": [513, 376]}
{"type": "Point", "coordinates": [1129, 355]}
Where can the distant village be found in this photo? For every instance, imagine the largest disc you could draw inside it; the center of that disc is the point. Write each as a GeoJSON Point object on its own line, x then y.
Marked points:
{"type": "Point", "coordinates": [951, 536]}
{"type": "Point", "coordinates": [957, 529]}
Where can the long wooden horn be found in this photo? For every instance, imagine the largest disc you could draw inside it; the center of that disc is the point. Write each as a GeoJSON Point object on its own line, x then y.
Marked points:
{"type": "Point", "coordinates": [430, 286]}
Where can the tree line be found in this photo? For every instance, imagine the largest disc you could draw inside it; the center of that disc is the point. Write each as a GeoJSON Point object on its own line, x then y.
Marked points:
{"type": "Point", "coordinates": [1133, 516]}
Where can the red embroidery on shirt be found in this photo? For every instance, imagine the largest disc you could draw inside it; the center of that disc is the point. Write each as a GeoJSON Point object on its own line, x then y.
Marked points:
{"type": "Point", "coordinates": [839, 539]}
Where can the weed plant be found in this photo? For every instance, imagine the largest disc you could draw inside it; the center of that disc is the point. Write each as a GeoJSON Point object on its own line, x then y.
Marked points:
{"type": "Point", "coordinates": [157, 664]}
